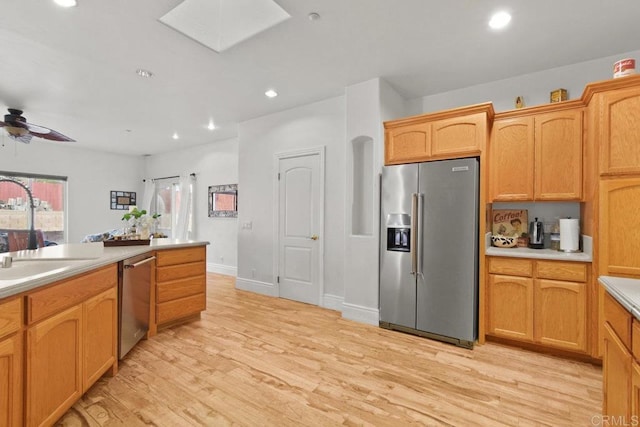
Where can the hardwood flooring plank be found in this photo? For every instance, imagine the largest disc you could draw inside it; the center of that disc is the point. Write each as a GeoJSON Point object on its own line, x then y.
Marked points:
{"type": "Point", "coordinates": [252, 360]}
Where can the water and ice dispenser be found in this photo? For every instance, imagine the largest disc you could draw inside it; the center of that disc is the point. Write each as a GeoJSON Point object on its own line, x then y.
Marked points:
{"type": "Point", "coordinates": [398, 232]}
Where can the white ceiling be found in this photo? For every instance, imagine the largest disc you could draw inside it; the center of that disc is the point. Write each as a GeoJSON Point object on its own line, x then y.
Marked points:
{"type": "Point", "coordinates": [73, 70]}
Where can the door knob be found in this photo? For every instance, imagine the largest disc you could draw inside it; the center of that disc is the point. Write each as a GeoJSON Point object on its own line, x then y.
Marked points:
{"type": "Point", "coordinates": [314, 237]}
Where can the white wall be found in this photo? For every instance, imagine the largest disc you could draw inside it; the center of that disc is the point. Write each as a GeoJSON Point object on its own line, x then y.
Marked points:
{"type": "Point", "coordinates": [214, 164]}
{"type": "Point", "coordinates": [534, 87]}
{"type": "Point", "coordinates": [313, 125]}
{"type": "Point", "coordinates": [91, 177]}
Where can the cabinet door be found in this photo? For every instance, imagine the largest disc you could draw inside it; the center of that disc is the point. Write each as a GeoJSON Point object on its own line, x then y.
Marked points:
{"type": "Point", "coordinates": [620, 132]}
{"type": "Point", "coordinates": [54, 366]}
{"type": "Point", "coordinates": [620, 227]}
{"type": "Point", "coordinates": [616, 376]}
{"type": "Point", "coordinates": [11, 381]}
{"type": "Point", "coordinates": [407, 144]}
{"type": "Point", "coordinates": [558, 157]}
{"type": "Point", "coordinates": [511, 159]}
{"type": "Point", "coordinates": [511, 307]}
{"type": "Point", "coordinates": [560, 314]}
{"type": "Point", "coordinates": [458, 135]}
{"type": "Point", "coordinates": [100, 325]}
{"type": "Point", "coordinates": [635, 391]}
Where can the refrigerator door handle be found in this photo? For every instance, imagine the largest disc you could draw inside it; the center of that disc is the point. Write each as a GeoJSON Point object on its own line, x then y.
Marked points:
{"type": "Point", "coordinates": [414, 233]}
{"type": "Point", "coordinates": [419, 224]}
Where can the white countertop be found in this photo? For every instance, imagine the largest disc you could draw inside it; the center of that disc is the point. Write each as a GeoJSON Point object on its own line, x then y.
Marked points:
{"type": "Point", "coordinates": [625, 291]}
{"type": "Point", "coordinates": [35, 268]}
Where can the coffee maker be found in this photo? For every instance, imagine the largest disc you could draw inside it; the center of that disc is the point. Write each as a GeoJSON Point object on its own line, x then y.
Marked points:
{"type": "Point", "coordinates": [536, 234]}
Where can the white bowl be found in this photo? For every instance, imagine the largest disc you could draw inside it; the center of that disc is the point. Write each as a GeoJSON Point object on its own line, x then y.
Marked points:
{"type": "Point", "coordinates": [501, 241]}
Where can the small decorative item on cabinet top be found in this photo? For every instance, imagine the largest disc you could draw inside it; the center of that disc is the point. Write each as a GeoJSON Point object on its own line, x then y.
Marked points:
{"type": "Point", "coordinates": [558, 95]}
{"type": "Point", "coordinates": [624, 67]}
{"type": "Point", "coordinates": [519, 102]}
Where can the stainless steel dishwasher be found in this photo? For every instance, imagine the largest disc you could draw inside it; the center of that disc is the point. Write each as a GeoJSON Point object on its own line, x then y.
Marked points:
{"type": "Point", "coordinates": [134, 289]}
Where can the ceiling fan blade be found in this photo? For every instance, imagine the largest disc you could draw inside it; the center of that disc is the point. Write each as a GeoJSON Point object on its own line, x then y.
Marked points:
{"type": "Point", "coordinates": [49, 134]}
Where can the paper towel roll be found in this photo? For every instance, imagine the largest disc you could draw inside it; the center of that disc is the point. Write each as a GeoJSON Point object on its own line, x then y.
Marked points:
{"type": "Point", "coordinates": [569, 234]}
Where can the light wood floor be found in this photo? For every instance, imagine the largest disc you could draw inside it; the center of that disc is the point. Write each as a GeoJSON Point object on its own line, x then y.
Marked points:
{"type": "Point", "coordinates": [259, 361]}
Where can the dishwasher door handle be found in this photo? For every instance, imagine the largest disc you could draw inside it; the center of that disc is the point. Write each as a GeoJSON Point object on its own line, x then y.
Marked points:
{"type": "Point", "coordinates": [139, 263]}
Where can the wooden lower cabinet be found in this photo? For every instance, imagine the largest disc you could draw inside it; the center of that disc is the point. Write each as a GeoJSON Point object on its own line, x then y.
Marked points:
{"type": "Point", "coordinates": [635, 391]}
{"type": "Point", "coordinates": [180, 284]}
{"type": "Point", "coordinates": [511, 307]}
{"type": "Point", "coordinates": [100, 344]}
{"type": "Point", "coordinates": [11, 381]}
{"type": "Point", "coordinates": [538, 301]}
{"type": "Point", "coordinates": [560, 314]}
{"type": "Point", "coordinates": [54, 366]}
{"type": "Point", "coordinates": [616, 376]}
{"type": "Point", "coordinates": [11, 356]}
{"type": "Point", "coordinates": [66, 354]}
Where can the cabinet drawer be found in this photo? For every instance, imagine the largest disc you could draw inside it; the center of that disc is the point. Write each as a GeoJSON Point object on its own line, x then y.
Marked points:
{"type": "Point", "coordinates": [180, 256]}
{"type": "Point", "coordinates": [10, 316]}
{"type": "Point", "coordinates": [69, 292]}
{"type": "Point", "coordinates": [570, 271]}
{"type": "Point", "coordinates": [635, 339]}
{"type": "Point", "coordinates": [175, 272]}
{"type": "Point", "coordinates": [618, 318]}
{"type": "Point", "coordinates": [168, 291]}
{"type": "Point", "coordinates": [180, 308]}
{"type": "Point", "coordinates": [511, 266]}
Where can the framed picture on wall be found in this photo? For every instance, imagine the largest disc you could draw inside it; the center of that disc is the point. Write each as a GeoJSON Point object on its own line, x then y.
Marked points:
{"type": "Point", "coordinates": [121, 200]}
{"type": "Point", "coordinates": [223, 201]}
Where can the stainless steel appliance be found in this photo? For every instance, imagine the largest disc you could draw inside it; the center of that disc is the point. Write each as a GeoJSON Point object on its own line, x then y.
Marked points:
{"type": "Point", "coordinates": [536, 234]}
{"type": "Point", "coordinates": [133, 300]}
{"type": "Point", "coordinates": [429, 250]}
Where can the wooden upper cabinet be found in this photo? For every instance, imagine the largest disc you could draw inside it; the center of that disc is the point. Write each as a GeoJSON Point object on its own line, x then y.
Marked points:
{"type": "Point", "coordinates": [537, 156]}
{"type": "Point", "coordinates": [458, 135]}
{"type": "Point", "coordinates": [619, 135]}
{"type": "Point", "coordinates": [558, 155]}
{"type": "Point", "coordinates": [407, 144]}
{"type": "Point", "coordinates": [460, 132]}
{"type": "Point", "coordinates": [511, 156]}
{"type": "Point", "coordinates": [619, 228]}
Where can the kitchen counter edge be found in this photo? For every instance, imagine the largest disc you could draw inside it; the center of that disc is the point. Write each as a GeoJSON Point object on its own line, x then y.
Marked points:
{"type": "Point", "coordinates": [108, 255]}
{"type": "Point", "coordinates": [625, 291]}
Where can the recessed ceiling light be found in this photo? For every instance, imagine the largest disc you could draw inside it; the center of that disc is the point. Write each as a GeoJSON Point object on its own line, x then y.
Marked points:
{"type": "Point", "coordinates": [144, 73]}
{"type": "Point", "coordinates": [66, 3]}
{"type": "Point", "coordinates": [271, 93]}
{"type": "Point", "coordinates": [175, 135]}
{"type": "Point", "coordinates": [500, 20]}
{"type": "Point", "coordinates": [313, 16]}
{"type": "Point", "coordinates": [211, 126]}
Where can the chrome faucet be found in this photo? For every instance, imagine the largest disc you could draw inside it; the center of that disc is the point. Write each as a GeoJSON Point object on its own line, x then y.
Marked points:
{"type": "Point", "coordinates": [33, 242]}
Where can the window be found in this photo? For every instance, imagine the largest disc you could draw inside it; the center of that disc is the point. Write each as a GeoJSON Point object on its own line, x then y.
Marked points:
{"type": "Point", "coordinates": [49, 193]}
{"type": "Point", "coordinates": [167, 202]}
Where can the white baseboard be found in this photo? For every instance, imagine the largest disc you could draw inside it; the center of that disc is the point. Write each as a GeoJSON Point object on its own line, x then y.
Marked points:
{"type": "Point", "coordinates": [227, 270]}
{"type": "Point", "coordinates": [263, 288]}
{"type": "Point", "coordinates": [332, 302]}
{"type": "Point", "coordinates": [361, 314]}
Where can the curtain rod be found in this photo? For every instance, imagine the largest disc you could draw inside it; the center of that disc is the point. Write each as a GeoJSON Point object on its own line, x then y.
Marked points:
{"type": "Point", "coordinates": [169, 177]}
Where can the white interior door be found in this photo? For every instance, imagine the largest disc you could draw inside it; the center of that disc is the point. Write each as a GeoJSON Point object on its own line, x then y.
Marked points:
{"type": "Point", "coordinates": [300, 227]}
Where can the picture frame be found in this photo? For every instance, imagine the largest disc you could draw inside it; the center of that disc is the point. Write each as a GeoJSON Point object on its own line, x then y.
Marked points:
{"type": "Point", "coordinates": [121, 200]}
{"type": "Point", "coordinates": [223, 201]}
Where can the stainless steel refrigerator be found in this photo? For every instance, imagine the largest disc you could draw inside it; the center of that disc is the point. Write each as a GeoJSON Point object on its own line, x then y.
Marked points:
{"type": "Point", "coordinates": [429, 249]}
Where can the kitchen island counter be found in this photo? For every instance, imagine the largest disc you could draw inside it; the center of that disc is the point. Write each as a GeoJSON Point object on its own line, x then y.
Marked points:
{"type": "Point", "coordinates": [46, 265]}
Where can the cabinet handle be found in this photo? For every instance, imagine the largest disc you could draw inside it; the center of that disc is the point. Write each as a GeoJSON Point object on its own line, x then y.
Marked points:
{"type": "Point", "coordinates": [139, 263]}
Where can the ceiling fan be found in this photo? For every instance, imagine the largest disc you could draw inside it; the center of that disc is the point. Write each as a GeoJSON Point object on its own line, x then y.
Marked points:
{"type": "Point", "coordinates": [18, 128]}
